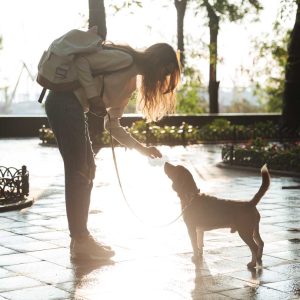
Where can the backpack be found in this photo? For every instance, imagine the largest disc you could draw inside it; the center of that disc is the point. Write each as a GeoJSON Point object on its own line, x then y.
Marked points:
{"type": "Point", "coordinates": [56, 70]}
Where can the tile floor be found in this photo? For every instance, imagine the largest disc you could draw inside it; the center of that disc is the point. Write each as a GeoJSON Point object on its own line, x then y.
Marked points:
{"type": "Point", "coordinates": [153, 259]}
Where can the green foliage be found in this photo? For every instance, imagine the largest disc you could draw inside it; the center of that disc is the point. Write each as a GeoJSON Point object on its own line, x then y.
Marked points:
{"type": "Point", "coordinates": [46, 136]}
{"type": "Point", "coordinates": [221, 130]}
{"type": "Point", "coordinates": [160, 135]}
{"type": "Point", "coordinates": [122, 4]}
{"type": "Point", "coordinates": [189, 99]}
{"type": "Point", "coordinates": [131, 106]}
{"type": "Point", "coordinates": [242, 105]}
{"type": "Point", "coordinates": [226, 9]}
{"type": "Point", "coordinates": [288, 7]}
{"type": "Point", "coordinates": [264, 129]}
{"type": "Point", "coordinates": [216, 131]}
{"type": "Point", "coordinates": [277, 156]}
{"type": "Point", "coordinates": [274, 56]}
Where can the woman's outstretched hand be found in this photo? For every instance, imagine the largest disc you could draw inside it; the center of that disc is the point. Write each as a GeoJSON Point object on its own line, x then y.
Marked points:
{"type": "Point", "coordinates": [151, 152]}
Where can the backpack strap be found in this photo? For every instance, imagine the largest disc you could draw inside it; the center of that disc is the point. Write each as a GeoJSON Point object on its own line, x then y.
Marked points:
{"type": "Point", "coordinates": [95, 73]}
{"type": "Point", "coordinates": [42, 95]}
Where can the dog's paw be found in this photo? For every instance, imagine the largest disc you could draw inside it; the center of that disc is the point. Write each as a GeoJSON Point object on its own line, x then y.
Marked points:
{"type": "Point", "coordinates": [259, 262]}
{"type": "Point", "coordinates": [197, 258]}
{"type": "Point", "coordinates": [251, 265]}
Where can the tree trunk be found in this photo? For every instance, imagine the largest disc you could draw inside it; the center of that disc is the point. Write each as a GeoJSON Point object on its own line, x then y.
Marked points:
{"type": "Point", "coordinates": [180, 8]}
{"type": "Point", "coordinates": [97, 17]}
{"type": "Point", "coordinates": [291, 93]}
{"type": "Point", "coordinates": [213, 86]}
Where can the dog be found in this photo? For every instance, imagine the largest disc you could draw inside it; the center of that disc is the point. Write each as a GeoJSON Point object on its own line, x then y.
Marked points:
{"type": "Point", "coordinates": [205, 212]}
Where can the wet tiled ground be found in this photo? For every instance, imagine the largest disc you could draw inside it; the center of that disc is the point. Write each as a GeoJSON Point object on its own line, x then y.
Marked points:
{"type": "Point", "coordinates": [153, 259]}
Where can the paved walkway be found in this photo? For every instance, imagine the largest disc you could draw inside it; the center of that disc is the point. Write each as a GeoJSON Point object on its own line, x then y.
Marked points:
{"type": "Point", "coordinates": [152, 261]}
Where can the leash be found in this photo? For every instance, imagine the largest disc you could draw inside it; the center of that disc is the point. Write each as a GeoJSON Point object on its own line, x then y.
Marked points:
{"type": "Point", "coordinates": [40, 100]}
{"type": "Point", "coordinates": [117, 170]}
{"type": "Point", "coordinates": [122, 190]}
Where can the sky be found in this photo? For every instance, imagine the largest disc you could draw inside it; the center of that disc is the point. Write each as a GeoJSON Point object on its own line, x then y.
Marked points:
{"type": "Point", "coordinates": [28, 27]}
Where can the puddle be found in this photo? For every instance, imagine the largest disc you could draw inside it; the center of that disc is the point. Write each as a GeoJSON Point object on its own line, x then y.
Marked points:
{"type": "Point", "coordinates": [294, 230]}
{"type": "Point", "coordinates": [294, 241]}
{"type": "Point", "coordinates": [95, 211]}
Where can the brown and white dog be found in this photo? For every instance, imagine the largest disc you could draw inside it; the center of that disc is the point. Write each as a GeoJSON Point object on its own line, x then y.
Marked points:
{"type": "Point", "coordinates": [205, 212]}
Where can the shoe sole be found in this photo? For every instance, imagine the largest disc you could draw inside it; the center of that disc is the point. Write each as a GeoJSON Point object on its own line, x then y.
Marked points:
{"type": "Point", "coordinates": [90, 257]}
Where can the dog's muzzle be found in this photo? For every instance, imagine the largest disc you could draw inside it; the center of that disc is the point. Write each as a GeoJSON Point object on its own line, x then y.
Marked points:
{"type": "Point", "coordinates": [168, 167]}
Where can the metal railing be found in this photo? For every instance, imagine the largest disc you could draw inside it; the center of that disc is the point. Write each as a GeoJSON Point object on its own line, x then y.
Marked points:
{"type": "Point", "coordinates": [14, 188]}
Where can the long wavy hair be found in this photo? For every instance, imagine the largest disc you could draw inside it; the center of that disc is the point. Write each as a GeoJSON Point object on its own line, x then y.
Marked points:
{"type": "Point", "coordinates": [159, 69]}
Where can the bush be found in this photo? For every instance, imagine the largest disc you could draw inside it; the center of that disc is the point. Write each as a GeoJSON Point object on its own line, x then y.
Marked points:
{"type": "Point", "coordinates": [278, 156]}
{"type": "Point", "coordinates": [185, 134]}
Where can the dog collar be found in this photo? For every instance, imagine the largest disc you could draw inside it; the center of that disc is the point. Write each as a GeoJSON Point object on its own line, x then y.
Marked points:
{"type": "Point", "coordinates": [191, 199]}
{"type": "Point", "coordinates": [194, 195]}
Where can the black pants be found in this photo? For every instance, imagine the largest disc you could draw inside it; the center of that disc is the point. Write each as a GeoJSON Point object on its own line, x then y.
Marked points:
{"type": "Point", "coordinates": [69, 125]}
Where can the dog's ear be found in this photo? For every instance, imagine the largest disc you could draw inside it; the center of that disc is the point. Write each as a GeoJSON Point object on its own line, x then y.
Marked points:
{"type": "Point", "coordinates": [192, 189]}
{"type": "Point", "coordinates": [190, 184]}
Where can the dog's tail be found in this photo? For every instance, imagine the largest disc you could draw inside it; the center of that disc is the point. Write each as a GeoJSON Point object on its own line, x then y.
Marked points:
{"type": "Point", "coordinates": [264, 186]}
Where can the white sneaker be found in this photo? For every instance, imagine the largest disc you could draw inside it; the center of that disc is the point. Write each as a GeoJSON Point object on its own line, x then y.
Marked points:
{"type": "Point", "coordinates": [88, 248]}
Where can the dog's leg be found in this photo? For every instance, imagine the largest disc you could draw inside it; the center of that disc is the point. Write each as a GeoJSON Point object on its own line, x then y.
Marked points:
{"type": "Point", "coordinates": [259, 242]}
{"type": "Point", "coordinates": [200, 243]}
{"type": "Point", "coordinates": [247, 237]}
{"type": "Point", "coordinates": [193, 237]}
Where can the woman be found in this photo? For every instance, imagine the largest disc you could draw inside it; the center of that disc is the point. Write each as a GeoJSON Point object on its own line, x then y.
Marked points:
{"type": "Point", "coordinates": [159, 70]}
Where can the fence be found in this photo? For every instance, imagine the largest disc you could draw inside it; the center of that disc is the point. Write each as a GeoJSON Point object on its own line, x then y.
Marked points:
{"type": "Point", "coordinates": [14, 188]}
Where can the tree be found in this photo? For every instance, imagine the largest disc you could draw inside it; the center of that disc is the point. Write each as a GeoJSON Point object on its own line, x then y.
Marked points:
{"type": "Point", "coordinates": [180, 8]}
{"type": "Point", "coordinates": [97, 17]}
{"type": "Point", "coordinates": [189, 98]}
{"type": "Point", "coordinates": [272, 56]}
{"type": "Point", "coordinates": [242, 105]}
{"type": "Point", "coordinates": [217, 11]}
{"type": "Point", "coordinates": [291, 93]}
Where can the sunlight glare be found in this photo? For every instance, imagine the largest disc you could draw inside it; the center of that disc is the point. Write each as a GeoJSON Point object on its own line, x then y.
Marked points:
{"type": "Point", "coordinates": [151, 209]}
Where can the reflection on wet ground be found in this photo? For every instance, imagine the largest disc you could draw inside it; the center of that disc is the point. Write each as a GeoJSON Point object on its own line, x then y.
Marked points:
{"type": "Point", "coordinates": [153, 260]}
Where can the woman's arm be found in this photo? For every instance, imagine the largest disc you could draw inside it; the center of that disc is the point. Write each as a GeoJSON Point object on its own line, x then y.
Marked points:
{"type": "Point", "coordinates": [126, 139]}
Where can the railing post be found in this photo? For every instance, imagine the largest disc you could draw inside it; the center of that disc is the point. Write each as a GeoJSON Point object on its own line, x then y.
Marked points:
{"type": "Point", "coordinates": [231, 150]}
{"type": "Point", "coordinates": [25, 181]}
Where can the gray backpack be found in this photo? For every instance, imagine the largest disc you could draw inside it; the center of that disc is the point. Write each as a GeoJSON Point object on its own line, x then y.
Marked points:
{"type": "Point", "coordinates": [56, 69]}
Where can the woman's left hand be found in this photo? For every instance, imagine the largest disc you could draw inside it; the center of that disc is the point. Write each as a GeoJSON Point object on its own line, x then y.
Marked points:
{"type": "Point", "coordinates": [151, 152]}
